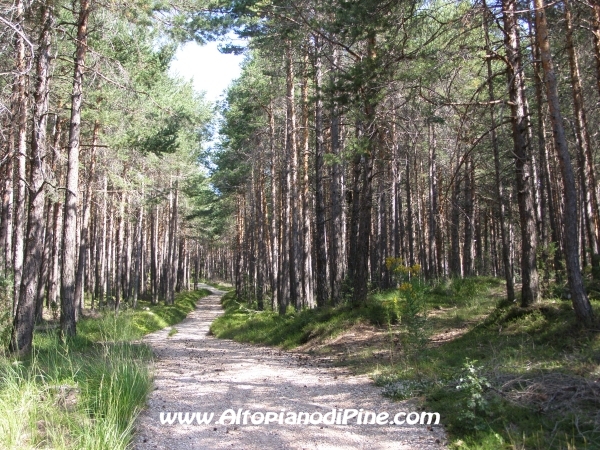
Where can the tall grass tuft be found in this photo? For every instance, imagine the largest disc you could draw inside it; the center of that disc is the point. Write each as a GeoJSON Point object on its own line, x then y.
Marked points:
{"type": "Point", "coordinates": [85, 394]}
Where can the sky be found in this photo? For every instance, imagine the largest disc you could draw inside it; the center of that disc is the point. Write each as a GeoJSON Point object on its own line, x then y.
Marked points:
{"type": "Point", "coordinates": [210, 70]}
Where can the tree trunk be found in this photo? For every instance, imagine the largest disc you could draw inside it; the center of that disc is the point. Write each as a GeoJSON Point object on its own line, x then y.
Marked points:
{"type": "Point", "coordinates": [275, 280]}
{"type": "Point", "coordinates": [6, 231]}
{"type": "Point", "coordinates": [581, 303]}
{"type": "Point", "coordinates": [84, 239]}
{"type": "Point", "coordinates": [118, 254]}
{"type": "Point", "coordinates": [516, 87]}
{"type": "Point", "coordinates": [336, 238]}
{"type": "Point", "coordinates": [102, 251]}
{"type": "Point", "coordinates": [153, 254]}
{"type": "Point", "coordinates": [409, 213]}
{"type": "Point", "coordinates": [307, 272]}
{"type": "Point", "coordinates": [469, 217]}
{"type": "Point", "coordinates": [434, 248]}
{"type": "Point", "coordinates": [44, 275]}
{"type": "Point", "coordinates": [24, 321]}
{"type": "Point", "coordinates": [585, 148]}
{"type": "Point", "coordinates": [20, 109]}
{"type": "Point", "coordinates": [501, 202]}
{"type": "Point", "coordinates": [173, 256]}
{"type": "Point", "coordinates": [596, 32]}
{"type": "Point", "coordinates": [68, 303]}
{"type": "Point", "coordinates": [138, 267]}
{"type": "Point", "coordinates": [294, 206]}
{"type": "Point", "coordinates": [320, 241]}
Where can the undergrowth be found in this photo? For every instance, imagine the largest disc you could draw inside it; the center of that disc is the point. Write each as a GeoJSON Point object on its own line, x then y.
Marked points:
{"type": "Point", "coordinates": [509, 377]}
{"type": "Point", "coordinates": [84, 394]}
{"type": "Point", "coordinates": [245, 324]}
{"type": "Point", "coordinates": [501, 376]}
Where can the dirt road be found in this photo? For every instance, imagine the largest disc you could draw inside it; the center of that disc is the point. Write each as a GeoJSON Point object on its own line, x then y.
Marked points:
{"type": "Point", "coordinates": [195, 372]}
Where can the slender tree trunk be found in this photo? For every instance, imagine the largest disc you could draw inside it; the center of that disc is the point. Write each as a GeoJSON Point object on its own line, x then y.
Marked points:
{"type": "Point", "coordinates": [434, 247]}
{"type": "Point", "coordinates": [68, 300]}
{"type": "Point", "coordinates": [581, 303]}
{"type": "Point", "coordinates": [54, 282]}
{"type": "Point", "coordinates": [173, 260]}
{"type": "Point", "coordinates": [44, 275]}
{"type": "Point", "coordinates": [6, 231]}
{"type": "Point", "coordinates": [84, 239]}
{"type": "Point", "coordinates": [397, 222]}
{"type": "Point", "coordinates": [275, 199]}
{"type": "Point", "coordinates": [596, 32]}
{"type": "Point", "coordinates": [501, 202]}
{"type": "Point", "coordinates": [530, 289]}
{"type": "Point", "coordinates": [261, 238]}
{"type": "Point", "coordinates": [354, 212]}
{"type": "Point", "coordinates": [108, 278]}
{"type": "Point", "coordinates": [295, 246]}
{"type": "Point", "coordinates": [118, 254]}
{"type": "Point", "coordinates": [20, 109]}
{"type": "Point", "coordinates": [153, 254]}
{"type": "Point", "coordinates": [138, 268]}
{"type": "Point", "coordinates": [585, 148]}
{"type": "Point", "coordinates": [469, 217]}
{"type": "Point", "coordinates": [24, 321]}
{"type": "Point", "coordinates": [361, 275]}
{"type": "Point", "coordinates": [180, 266]}
{"type": "Point", "coordinates": [307, 272]}
{"type": "Point", "coordinates": [320, 241]}
{"type": "Point", "coordinates": [336, 260]}
{"type": "Point", "coordinates": [101, 263]}
{"type": "Point", "coordinates": [455, 262]}
{"type": "Point", "coordinates": [409, 213]}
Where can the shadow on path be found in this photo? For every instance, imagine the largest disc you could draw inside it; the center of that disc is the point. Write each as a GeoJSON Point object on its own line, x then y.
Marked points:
{"type": "Point", "coordinates": [195, 372]}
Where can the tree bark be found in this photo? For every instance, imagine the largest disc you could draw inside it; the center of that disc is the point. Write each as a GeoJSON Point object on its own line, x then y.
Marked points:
{"type": "Point", "coordinates": [307, 268]}
{"type": "Point", "coordinates": [68, 304]}
{"type": "Point", "coordinates": [172, 254]}
{"type": "Point", "coordinates": [85, 223]}
{"type": "Point", "coordinates": [585, 148]}
{"type": "Point", "coordinates": [295, 246]}
{"type": "Point", "coordinates": [20, 110]}
{"type": "Point", "coordinates": [581, 303]}
{"type": "Point", "coordinates": [6, 231]}
{"type": "Point", "coordinates": [469, 215]}
{"type": "Point", "coordinates": [24, 321]}
{"type": "Point", "coordinates": [154, 271]}
{"type": "Point", "coordinates": [596, 33]}
{"type": "Point", "coordinates": [337, 238]}
{"type": "Point", "coordinates": [322, 296]}
{"type": "Point", "coordinates": [530, 289]}
{"type": "Point", "coordinates": [501, 201]}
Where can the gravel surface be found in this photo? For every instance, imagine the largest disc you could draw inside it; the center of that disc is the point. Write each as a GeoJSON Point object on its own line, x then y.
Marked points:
{"type": "Point", "coordinates": [195, 372]}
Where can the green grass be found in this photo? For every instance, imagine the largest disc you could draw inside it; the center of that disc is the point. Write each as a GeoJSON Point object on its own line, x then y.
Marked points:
{"type": "Point", "coordinates": [84, 394]}
{"type": "Point", "coordinates": [504, 381]}
{"type": "Point", "coordinates": [293, 329]}
{"type": "Point", "coordinates": [505, 378]}
{"type": "Point", "coordinates": [217, 285]}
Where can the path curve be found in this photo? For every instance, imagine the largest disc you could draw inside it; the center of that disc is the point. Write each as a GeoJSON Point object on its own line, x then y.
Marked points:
{"type": "Point", "coordinates": [197, 372]}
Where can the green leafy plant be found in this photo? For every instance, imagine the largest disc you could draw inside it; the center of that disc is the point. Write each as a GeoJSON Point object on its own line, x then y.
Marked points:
{"type": "Point", "coordinates": [473, 384]}
{"type": "Point", "coordinates": [414, 316]}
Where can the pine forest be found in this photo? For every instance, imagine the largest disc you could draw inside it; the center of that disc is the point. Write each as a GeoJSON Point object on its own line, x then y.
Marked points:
{"type": "Point", "coordinates": [373, 158]}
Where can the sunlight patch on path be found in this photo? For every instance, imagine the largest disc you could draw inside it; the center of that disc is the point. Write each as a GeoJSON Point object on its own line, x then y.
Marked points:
{"type": "Point", "coordinates": [197, 372]}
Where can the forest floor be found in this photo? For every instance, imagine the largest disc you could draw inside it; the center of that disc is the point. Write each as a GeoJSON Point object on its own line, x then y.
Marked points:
{"type": "Point", "coordinates": [501, 376]}
{"type": "Point", "coordinates": [195, 372]}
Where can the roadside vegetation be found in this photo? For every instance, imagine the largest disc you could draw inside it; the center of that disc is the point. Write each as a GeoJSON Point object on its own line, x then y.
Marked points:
{"type": "Point", "coordinates": [86, 393]}
{"type": "Point", "coordinates": [500, 375]}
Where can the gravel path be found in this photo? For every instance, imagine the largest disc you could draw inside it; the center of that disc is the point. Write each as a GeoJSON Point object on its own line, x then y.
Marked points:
{"type": "Point", "coordinates": [195, 372]}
